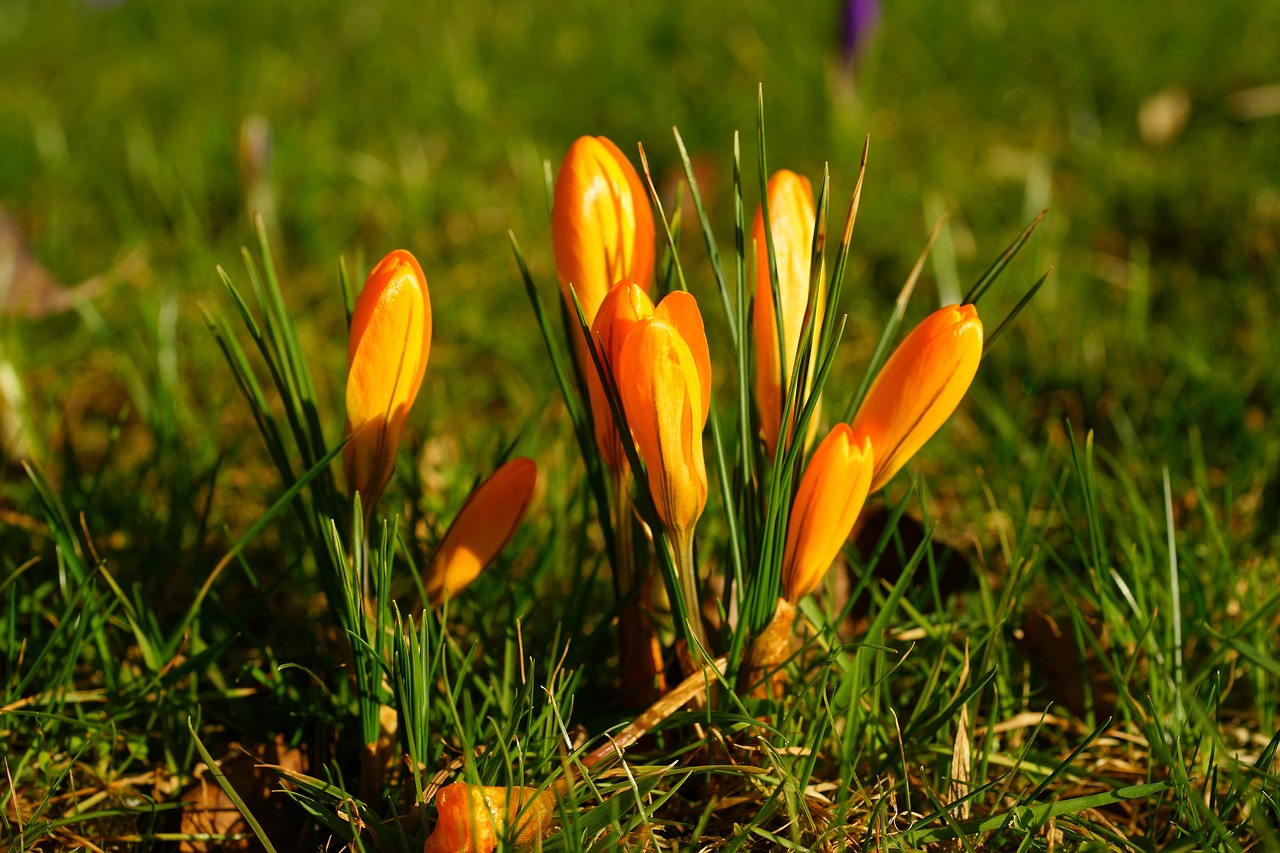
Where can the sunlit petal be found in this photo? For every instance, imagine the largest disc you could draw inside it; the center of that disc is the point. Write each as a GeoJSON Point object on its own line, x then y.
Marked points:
{"type": "Point", "coordinates": [482, 528]}
{"type": "Point", "coordinates": [387, 357]}
{"type": "Point", "coordinates": [919, 387]}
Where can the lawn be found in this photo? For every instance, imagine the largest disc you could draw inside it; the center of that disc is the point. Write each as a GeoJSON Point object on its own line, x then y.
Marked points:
{"type": "Point", "coordinates": [1052, 629]}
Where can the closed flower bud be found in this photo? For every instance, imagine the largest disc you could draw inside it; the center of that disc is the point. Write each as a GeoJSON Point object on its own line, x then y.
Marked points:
{"type": "Point", "coordinates": [623, 307]}
{"type": "Point", "coordinates": [831, 494]}
{"type": "Point", "coordinates": [919, 387]}
{"type": "Point", "coordinates": [472, 818]}
{"type": "Point", "coordinates": [386, 359]}
{"type": "Point", "coordinates": [791, 218]}
{"type": "Point", "coordinates": [664, 379]}
{"type": "Point", "coordinates": [483, 527]}
{"type": "Point", "coordinates": [601, 228]}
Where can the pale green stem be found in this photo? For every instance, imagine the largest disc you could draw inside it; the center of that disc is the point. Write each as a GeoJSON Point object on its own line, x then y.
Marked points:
{"type": "Point", "coordinates": [688, 573]}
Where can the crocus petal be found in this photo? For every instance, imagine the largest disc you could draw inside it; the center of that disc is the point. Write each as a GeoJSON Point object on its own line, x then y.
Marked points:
{"type": "Point", "coordinates": [792, 217]}
{"type": "Point", "coordinates": [473, 817]}
{"type": "Point", "coordinates": [661, 395]}
{"type": "Point", "coordinates": [483, 527]}
{"type": "Point", "coordinates": [680, 309]}
{"type": "Point", "coordinates": [642, 255]}
{"type": "Point", "coordinates": [386, 359]}
{"type": "Point", "coordinates": [601, 224]}
{"type": "Point", "coordinates": [831, 494]}
{"type": "Point", "coordinates": [623, 306]}
{"type": "Point", "coordinates": [919, 387]}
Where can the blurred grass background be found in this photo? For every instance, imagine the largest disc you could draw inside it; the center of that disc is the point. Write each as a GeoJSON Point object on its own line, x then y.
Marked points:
{"type": "Point", "coordinates": [424, 125]}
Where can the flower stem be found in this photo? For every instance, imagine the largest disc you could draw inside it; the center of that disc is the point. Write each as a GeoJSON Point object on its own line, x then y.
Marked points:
{"type": "Point", "coordinates": [638, 650]}
{"type": "Point", "coordinates": [688, 573]}
{"type": "Point", "coordinates": [624, 558]}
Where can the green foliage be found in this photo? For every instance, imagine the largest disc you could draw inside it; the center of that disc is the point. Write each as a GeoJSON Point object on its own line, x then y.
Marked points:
{"type": "Point", "coordinates": [181, 571]}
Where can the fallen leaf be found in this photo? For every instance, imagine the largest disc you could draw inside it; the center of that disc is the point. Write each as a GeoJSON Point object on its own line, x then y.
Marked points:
{"type": "Point", "coordinates": [1054, 651]}
{"type": "Point", "coordinates": [207, 810]}
{"type": "Point", "coordinates": [954, 570]}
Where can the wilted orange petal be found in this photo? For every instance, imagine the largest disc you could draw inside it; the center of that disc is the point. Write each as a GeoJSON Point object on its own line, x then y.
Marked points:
{"type": "Point", "coordinates": [659, 385]}
{"type": "Point", "coordinates": [919, 387]}
{"type": "Point", "coordinates": [472, 817]}
{"type": "Point", "coordinates": [387, 357]}
{"type": "Point", "coordinates": [483, 527]}
{"type": "Point", "coordinates": [831, 495]}
{"type": "Point", "coordinates": [792, 218]}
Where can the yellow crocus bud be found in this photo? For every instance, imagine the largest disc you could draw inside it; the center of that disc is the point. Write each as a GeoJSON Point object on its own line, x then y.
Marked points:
{"type": "Point", "coordinates": [386, 359]}
{"type": "Point", "coordinates": [791, 219]}
{"type": "Point", "coordinates": [664, 379]}
{"type": "Point", "coordinates": [919, 387]}
{"type": "Point", "coordinates": [622, 308]}
{"type": "Point", "coordinates": [482, 528]}
{"type": "Point", "coordinates": [831, 494]}
{"type": "Point", "coordinates": [473, 817]}
{"type": "Point", "coordinates": [601, 229]}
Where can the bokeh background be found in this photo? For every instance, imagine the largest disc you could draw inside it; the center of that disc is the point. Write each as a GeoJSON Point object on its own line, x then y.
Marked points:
{"type": "Point", "coordinates": [1147, 129]}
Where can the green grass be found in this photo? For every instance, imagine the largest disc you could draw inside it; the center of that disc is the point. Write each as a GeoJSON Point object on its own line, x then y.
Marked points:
{"type": "Point", "coordinates": [1106, 655]}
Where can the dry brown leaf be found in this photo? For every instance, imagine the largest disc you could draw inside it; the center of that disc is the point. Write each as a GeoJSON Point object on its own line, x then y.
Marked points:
{"type": "Point", "coordinates": [954, 569]}
{"type": "Point", "coordinates": [960, 765]}
{"type": "Point", "coordinates": [1054, 650]}
{"type": "Point", "coordinates": [207, 810]}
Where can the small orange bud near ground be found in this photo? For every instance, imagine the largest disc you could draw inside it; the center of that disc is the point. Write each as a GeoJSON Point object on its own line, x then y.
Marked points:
{"type": "Point", "coordinates": [482, 528]}
{"type": "Point", "coordinates": [473, 817]}
{"type": "Point", "coordinates": [386, 358]}
{"type": "Point", "coordinates": [791, 220]}
{"type": "Point", "coordinates": [831, 494]}
{"type": "Point", "coordinates": [919, 387]}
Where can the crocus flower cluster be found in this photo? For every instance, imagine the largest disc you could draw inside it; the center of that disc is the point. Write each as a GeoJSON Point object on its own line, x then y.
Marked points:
{"type": "Point", "coordinates": [649, 367]}
{"type": "Point", "coordinates": [916, 391]}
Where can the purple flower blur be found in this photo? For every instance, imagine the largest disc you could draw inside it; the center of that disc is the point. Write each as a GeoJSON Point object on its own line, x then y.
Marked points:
{"type": "Point", "coordinates": [858, 20]}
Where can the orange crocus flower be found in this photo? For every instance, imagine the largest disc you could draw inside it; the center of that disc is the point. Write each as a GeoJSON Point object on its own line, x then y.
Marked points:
{"type": "Point", "coordinates": [831, 494]}
{"type": "Point", "coordinates": [473, 817]}
{"type": "Point", "coordinates": [791, 219]}
{"type": "Point", "coordinates": [601, 228]}
{"type": "Point", "coordinates": [621, 309]}
{"type": "Point", "coordinates": [919, 387]}
{"type": "Point", "coordinates": [482, 528]}
{"type": "Point", "coordinates": [664, 379]}
{"type": "Point", "coordinates": [386, 359]}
